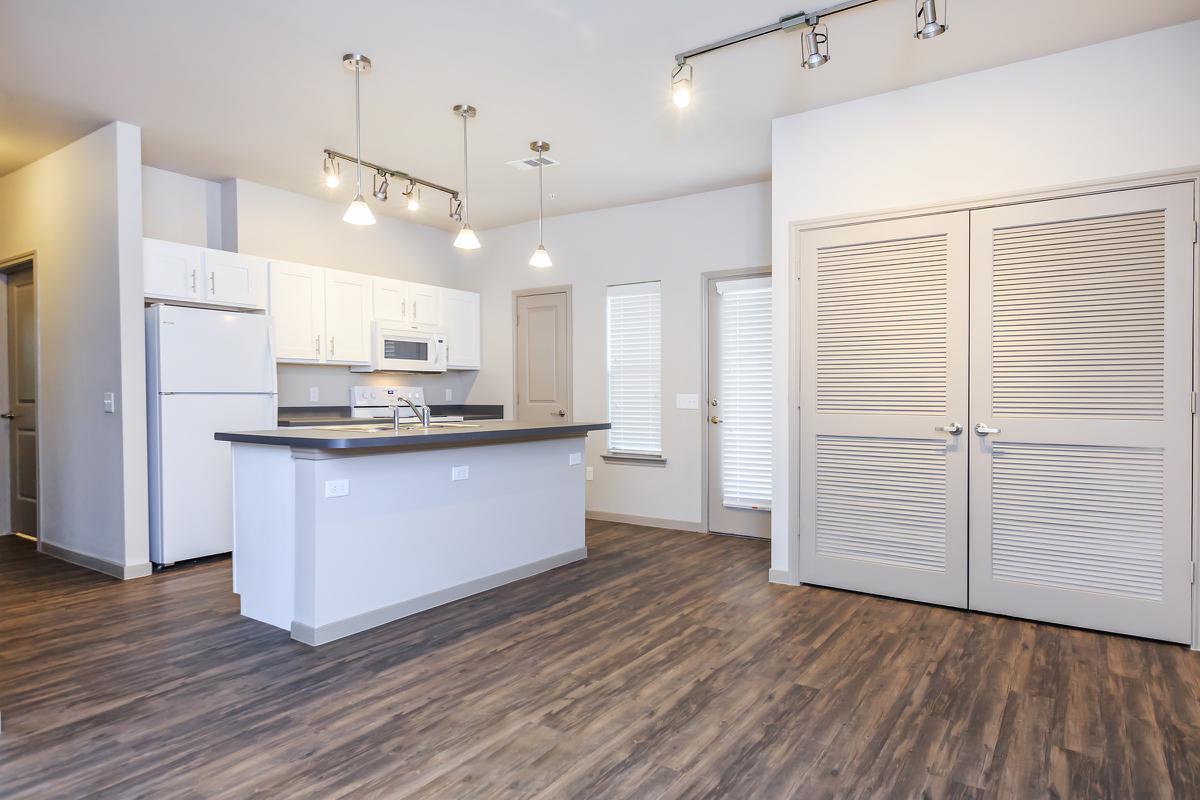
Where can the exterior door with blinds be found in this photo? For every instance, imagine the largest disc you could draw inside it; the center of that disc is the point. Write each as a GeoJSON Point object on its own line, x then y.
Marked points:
{"type": "Point", "coordinates": [883, 386]}
{"type": "Point", "coordinates": [739, 406]}
{"type": "Point", "coordinates": [1081, 380]}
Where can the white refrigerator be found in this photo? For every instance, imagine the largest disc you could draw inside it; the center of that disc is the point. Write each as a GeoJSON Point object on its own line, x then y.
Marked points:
{"type": "Point", "coordinates": [207, 371]}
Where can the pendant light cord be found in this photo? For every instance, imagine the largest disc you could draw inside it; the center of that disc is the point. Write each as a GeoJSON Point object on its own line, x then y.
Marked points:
{"type": "Point", "coordinates": [466, 177]}
{"type": "Point", "coordinates": [540, 195]}
{"type": "Point", "coordinates": [357, 133]}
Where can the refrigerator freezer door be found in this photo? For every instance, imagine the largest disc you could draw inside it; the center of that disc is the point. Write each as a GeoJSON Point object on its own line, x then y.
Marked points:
{"type": "Point", "coordinates": [192, 505]}
{"type": "Point", "coordinates": [201, 350]}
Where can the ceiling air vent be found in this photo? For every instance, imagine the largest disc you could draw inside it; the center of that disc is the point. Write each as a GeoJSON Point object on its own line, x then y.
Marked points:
{"type": "Point", "coordinates": [526, 164]}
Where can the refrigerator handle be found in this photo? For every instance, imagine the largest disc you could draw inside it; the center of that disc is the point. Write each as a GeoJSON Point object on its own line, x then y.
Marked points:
{"type": "Point", "coordinates": [271, 356]}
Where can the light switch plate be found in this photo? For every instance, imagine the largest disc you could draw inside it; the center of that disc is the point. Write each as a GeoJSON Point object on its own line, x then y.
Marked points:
{"type": "Point", "coordinates": [337, 488]}
{"type": "Point", "coordinates": [449, 395]}
{"type": "Point", "coordinates": [460, 473]}
{"type": "Point", "coordinates": [574, 458]}
{"type": "Point", "coordinates": [314, 394]}
{"type": "Point", "coordinates": [687, 401]}
{"type": "Point", "coordinates": [110, 403]}
{"type": "Point", "coordinates": [589, 473]}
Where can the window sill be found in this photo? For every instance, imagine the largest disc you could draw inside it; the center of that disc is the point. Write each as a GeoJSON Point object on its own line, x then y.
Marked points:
{"type": "Point", "coordinates": [634, 458]}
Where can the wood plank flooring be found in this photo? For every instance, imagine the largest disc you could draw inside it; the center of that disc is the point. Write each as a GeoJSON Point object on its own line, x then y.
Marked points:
{"type": "Point", "coordinates": [665, 666]}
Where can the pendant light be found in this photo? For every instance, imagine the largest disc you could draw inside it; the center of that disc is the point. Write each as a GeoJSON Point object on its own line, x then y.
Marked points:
{"type": "Point", "coordinates": [466, 239]}
{"type": "Point", "coordinates": [359, 213]}
{"type": "Point", "coordinates": [540, 258]}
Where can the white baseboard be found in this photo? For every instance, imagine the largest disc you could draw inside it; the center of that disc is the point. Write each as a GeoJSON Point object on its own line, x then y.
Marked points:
{"type": "Point", "coordinates": [322, 634]}
{"type": "Point", "coordinates": [782, 576]}
{"type": "Point", "coordinates": [649, 522]}
{"type": "Point", "coordinates": [112, 568]}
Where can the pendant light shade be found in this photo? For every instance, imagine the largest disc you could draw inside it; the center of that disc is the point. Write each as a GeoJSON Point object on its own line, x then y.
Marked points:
{"type": "Point", "coordinates": [358, 213]}
{"type": "Point", "coordinates": [540, 257]}
{"type": "Point", "coordinates": [466, 239]}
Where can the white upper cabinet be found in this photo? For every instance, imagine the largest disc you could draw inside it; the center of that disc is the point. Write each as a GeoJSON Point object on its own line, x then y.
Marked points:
{"type": "Point", "coordinates": [233, 279]}
{"type": "Point", "coordinates": [417, 305]}
{"type": "Point", "coordinates": [460, 314]}
{"type": "Point", "coordinates": [298, 310]}
{"type": "Point", "coordinates": [197, 276]}
{"type": "Point", "coordinates": [347, 317]}
{"type": "Point", "coordinates": [172, 271]}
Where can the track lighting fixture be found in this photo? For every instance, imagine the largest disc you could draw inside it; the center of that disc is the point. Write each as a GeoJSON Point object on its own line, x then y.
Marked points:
{"type": "Point", "coordinates": [333, 172]}
{"type": "Point", "coordinates": [540, 257]}
{"type": "Point", "coordinates": [380, 187]}
{"type": "Point", "coordinates": [412, 196]}
{"type": "Point", "coordinates": [814, 48]}
{"type": "Point", "coordinates": [359, 213]}
{"type": "Point", "coordinates": [466, 239]}
{"type": "Point", "coordinates": [681, 85]}
{"type": "Point", "coordinates": [928, 25]}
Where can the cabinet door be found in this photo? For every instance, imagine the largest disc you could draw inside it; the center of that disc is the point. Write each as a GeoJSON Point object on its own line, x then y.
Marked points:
{"type": "Point", "coordinates": [460, 313]}
{"type": "Point", "coordinates": [391, 299]}
{"type": "Point", "coordinates": [233, 279]}
{"type": "Point", "coordinates": [425, 306]}
{"type": "Point", "coordinates": [171, 271]}
{"type": "Point", "coordinates": [297, 307]}
{"type": "Point", "coordinates": [347, 317]}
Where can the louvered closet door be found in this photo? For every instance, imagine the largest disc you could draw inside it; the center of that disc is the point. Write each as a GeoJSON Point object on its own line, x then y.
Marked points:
{"type": "Point", "coordinates": [883, 369]}
{"type": "Point", "coordinates": [1081, 356]}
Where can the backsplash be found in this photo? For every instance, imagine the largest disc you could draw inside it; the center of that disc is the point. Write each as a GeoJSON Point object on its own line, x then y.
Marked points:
{"type": "Point", "coordinates": [333, 384]}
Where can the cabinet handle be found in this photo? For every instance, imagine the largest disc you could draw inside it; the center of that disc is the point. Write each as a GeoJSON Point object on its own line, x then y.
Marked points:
{"type": "Point", "coordinates": [403, 308]}
{"type": "Point", "coordinates": [212, 282]}
{"type": "Point", "coordinates": [317, 345]}
{"type": "Point", "coordinates": [193, 281]}
{"type": "Point", "coordinates": [414, 310]}
{"type": "Point", "coordinates": [331, 340]}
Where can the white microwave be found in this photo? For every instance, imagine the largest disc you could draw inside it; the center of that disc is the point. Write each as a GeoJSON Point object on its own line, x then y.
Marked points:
{"type": "Point", "coordinates": [395, 347]}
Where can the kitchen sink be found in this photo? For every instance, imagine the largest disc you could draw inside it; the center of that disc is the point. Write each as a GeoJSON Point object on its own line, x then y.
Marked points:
{"type": "Point", "coordinates": [405, 426]}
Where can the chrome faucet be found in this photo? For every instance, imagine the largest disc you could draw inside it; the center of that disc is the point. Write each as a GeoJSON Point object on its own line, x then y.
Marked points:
{"type": "Point", "coordinates": [421, 412]}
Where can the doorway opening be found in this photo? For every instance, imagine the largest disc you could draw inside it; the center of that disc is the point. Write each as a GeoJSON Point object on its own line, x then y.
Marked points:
{"type": "Point", "coordinates": [737, 415]}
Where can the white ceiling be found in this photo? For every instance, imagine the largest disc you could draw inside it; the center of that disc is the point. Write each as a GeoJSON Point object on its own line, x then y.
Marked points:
{"type": "Point", "coordinates": [256, 90]}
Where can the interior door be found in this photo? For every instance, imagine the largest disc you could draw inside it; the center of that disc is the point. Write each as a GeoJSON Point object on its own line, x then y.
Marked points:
{"type": "Point", "coordinates": [298, 311]}
{"type": "Point", "coordinates": [1081, 382]}
{"type": "Point", "coordinates": [22, 389]}
{"type": "Point", "coordinates": [542, 358]}
{"type": "Point", "coordinates": [883, 372]}
{"type": "Point", "coordinates": [347, 317]}
{"type": "Point", "coordinates": [739, 406]}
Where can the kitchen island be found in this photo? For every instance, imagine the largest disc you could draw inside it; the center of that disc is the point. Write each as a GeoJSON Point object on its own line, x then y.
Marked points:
{"type": "Point", "coordinates": [340, 529]}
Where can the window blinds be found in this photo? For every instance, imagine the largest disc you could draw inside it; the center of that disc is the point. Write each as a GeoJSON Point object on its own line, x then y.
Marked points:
{"type": "Point", "coordinates": [635, 368]}
{"type": "Point", "coordinates": [744, 361]}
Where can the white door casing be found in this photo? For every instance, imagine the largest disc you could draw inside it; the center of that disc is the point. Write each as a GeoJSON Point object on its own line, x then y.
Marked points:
{"type": "Point", "coordinates": [883, 375]}
{"type": "Point", "coordinates": [1081, 356]}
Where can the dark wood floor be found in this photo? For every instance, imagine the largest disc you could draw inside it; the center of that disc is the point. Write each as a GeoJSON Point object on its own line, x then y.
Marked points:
{"type": "Point", "coordinates": [663, 666]}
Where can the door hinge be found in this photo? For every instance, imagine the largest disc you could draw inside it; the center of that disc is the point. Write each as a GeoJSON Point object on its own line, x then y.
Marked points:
{"type": "Point", "coordinates": [1193, 572]}
{"type": "Point", "coordinates": [1193, 402]}
{"type": "Point", "coordinates": [1196, 232]}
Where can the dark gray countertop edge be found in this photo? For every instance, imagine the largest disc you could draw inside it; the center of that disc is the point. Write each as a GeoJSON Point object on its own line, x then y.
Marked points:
{"type": "Point", "coordinates": [413, 439]}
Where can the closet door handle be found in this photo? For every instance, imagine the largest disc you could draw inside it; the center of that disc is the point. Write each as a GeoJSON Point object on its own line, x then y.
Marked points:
{"type": "Point", "coordinates": [953, 428]}
{"type": "Point", "coordinates": [984, 430]}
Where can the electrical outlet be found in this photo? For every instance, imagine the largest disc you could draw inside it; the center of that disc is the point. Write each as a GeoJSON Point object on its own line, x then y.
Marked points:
{"type": "Point", "coordinates": [460, 473]}
{"type": "Point", "coordinates": [337, 488]}
{"type": "Point", "coordinates": [574, 458]}
{"type": "Point", "coordinates": [589, 473]}
{"type": "Point", "coordinates": [687, 401]}
{"type": "Point", "coordinates": [314, 394]}
{"type": "Point", "coordinates": [449, 395]}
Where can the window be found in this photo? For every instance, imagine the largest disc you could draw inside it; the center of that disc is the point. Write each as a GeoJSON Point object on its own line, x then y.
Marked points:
{"type": "Point", "coordinates": [745, 366]}
{"type": "Point", "coordinates": [635, 369]}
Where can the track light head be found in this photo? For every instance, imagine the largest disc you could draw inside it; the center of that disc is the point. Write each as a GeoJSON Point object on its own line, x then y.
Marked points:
{"type": "Point", "coordinates": [412, 196]}
{"type": "Point", "coordinates": [928, 25]}
{"type": "Point", "coordinates": [333, 172]}
{"type": "Point", "coordinates": [381, 187]}
{"type": "Point", "coordinates": [815, 47]}
{"type": "Point", "coordinates": [681, 85]}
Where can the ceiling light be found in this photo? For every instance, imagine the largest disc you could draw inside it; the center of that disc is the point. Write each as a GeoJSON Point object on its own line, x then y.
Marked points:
{"type": "Point", "coordinates": [927, 10]}
{"type": "Point", "coordinates": [540, 257]}
{"type": "Point", "coordinates": [815, 47]}
{"type": "Point", "coordinates": [333, 172]}
{"type": "Point", "coordinates": [466, 239]}
{"type": "Point", "coordinates": [681, 86]}
{"type": "Point", "coordinates": [381, 187]}
{"type": "Point", "coordinates": [358, 213]}
{"type": "Point", "coordinates": [413, 196]}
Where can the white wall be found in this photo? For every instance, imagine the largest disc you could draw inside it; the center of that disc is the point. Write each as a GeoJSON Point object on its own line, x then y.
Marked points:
{"type": "Point", "coordinates": [274, 223]}
{"type": "Point", "coordinates": [674, 241]}
{"type": "Point", "coordinates": [1114, 109]}
{"type": "Point", "coordinates": [80, 210]}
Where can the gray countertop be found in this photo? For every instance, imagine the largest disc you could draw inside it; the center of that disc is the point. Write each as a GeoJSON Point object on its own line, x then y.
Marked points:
{"type": "Point", "coordinates": [415, 437]}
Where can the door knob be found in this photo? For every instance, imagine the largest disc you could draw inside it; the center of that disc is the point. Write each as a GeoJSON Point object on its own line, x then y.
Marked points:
{"type": "Point", "coordinates": [984, 430]}
{"type": "Point", "coordinates": [562, 413]}
{"type": "Point", "coordinates": [715, 420]}
{"type": "Point", "coordinates": [953, 428]}
{"type": "Point", "coordinates": [8, 416]}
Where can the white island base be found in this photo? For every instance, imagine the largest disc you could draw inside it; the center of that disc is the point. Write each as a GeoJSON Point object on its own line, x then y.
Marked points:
{"type": "Point", "coordinates": [405, 538]}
